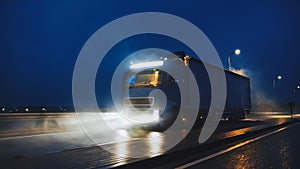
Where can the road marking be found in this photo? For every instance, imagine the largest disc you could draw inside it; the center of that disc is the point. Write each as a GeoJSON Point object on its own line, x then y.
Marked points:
{"type": "Point", "coordinates": [190, 164]}
{"type": "Point", "coordinates": [36, 135]}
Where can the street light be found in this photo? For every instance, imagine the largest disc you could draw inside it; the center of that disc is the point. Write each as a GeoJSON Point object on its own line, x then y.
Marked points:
{"type": "Point", "coordinates": [236, 52]}
{"type": "Point", "coordinates": [298, 87]}
{"type": "Point", "coordinates": [279, 77]}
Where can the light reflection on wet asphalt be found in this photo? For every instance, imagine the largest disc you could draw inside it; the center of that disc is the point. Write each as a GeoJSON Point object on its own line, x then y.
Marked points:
{"type": "Point", "coordinates": [280, 150]}
{"type": "Point", "coordinates": [152, 144]}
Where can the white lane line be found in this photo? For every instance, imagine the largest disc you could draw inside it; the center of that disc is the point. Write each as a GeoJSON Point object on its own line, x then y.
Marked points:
{"type": "Point", "coordinates": [232, 148]}
{"type": "Point", "coordinates": [37, 135]}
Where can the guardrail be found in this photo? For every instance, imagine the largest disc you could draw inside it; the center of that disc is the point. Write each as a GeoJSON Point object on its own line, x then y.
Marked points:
{"type": "Point", "coordinates": [46, 122]}
{"type": "Point", "coordinates": [10, 122]}
{"type": "Point", "coordinates": [50, 122]}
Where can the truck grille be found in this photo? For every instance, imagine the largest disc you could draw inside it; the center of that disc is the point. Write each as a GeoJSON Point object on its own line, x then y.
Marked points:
{"type": "Point", "coordinates": [139, 101]}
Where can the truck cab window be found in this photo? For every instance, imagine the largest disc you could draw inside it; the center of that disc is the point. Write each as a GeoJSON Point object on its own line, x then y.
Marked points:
{"type": "Point", "coordinates": [145, 79]}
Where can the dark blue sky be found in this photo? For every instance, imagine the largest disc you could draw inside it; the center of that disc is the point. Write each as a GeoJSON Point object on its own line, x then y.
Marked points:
{"type": "Point", "coordinates": [40, 41]}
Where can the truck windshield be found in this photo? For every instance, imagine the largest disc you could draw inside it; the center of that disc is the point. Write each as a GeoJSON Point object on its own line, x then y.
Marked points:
{"type": "Point", "coordinates": [145, 79]}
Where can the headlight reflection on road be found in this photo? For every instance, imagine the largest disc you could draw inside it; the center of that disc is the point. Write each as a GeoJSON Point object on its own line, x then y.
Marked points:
{"type": "Point", "coordinates": [149, 146]}
{"type": "Point", "coordinates": [155, 141]}
{"type": "Point", "coordinates": [122, 150]}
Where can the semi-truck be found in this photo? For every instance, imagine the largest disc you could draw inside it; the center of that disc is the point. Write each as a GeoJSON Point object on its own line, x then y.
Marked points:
{"type": "Point", "coordinates": [142, 77]}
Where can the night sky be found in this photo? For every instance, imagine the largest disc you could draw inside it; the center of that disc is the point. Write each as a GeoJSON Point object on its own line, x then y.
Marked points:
{"type": "Point", "coordinates": [40, 42]}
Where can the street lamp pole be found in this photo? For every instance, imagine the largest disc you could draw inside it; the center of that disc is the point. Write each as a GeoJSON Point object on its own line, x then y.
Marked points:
{"type": "Point", "coordinates": [236, 52]}
{"type": "Point", "coordinates": [298, 87]}
{"type": "Point", "coordinates": [229, 63]}
{"type": "Point", "coordinates": [279, 77]}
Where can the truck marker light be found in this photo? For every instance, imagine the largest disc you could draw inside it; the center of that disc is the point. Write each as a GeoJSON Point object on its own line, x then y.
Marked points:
{"type": "Point", "coordinates": [146, 64]}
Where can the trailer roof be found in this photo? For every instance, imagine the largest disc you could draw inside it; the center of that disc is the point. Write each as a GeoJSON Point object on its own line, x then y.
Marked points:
{"type": "Point", "coordinates": [182, 54]}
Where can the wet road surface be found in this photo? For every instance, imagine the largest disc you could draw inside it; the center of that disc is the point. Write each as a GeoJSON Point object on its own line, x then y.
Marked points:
{"type": "Point", "coordinates": [75, 150]}
{"type": "Point", "coordinates": [276, 150]}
